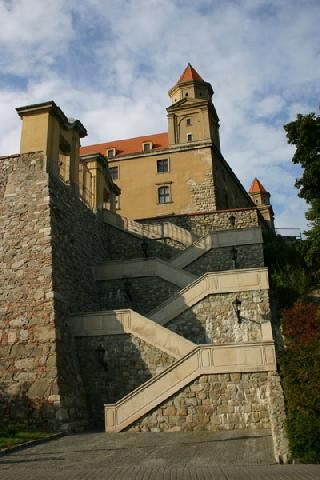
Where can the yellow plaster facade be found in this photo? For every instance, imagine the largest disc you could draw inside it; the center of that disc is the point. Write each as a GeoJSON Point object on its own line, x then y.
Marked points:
{"type": "Point", "coordinates": [196, 178]}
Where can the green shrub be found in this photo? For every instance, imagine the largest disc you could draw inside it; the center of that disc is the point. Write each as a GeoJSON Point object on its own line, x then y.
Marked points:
{"type": "Point", "coordinates": [300, 367]}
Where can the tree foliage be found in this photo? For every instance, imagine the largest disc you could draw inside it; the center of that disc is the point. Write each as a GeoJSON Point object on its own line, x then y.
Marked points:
{"type": "Point", "coordinates": [304, 133]}
{"type": "Point", "coordinates": [300, 366]}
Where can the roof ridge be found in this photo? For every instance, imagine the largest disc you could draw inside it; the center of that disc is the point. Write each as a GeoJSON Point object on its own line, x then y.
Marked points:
{"type": "Point", "coordinates": [256, 186]}
{"type": "Point", "coordinates": [189, 73]}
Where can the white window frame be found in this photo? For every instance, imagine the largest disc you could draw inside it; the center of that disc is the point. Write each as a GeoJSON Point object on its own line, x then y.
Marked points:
{"type": "Point", "coordinates": [150, 147]}
{"type": "Point", "coordinates": [164, 185]}
{"type": "Point", "coordinates": [113, 150]}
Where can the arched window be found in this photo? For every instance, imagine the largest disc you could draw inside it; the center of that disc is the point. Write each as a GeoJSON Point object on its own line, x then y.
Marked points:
{"type": "Point", "coordinates": [164, 194]}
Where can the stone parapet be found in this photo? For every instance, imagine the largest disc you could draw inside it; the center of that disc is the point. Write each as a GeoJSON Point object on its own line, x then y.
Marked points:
{"type": "Point", "coordinates": [201, 223]}
{"type": "Point", "coordinates": [143, 267]}
{"type": "Point", "coordinates": [232, 281]}
{"type": "Point", "coordinates": [128, 321]}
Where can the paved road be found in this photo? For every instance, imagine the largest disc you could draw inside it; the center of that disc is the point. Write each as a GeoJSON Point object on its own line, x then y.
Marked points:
{"type": "Point", "coordinates": [153, 456]}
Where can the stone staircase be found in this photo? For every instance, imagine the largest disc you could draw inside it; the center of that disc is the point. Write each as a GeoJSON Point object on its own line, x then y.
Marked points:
{"type": "Point", "coordinates": [191, 361]}
{"type": "Point", "coordinates": [159, 231]}
{"type": "Point", "coordinates": [128, 321]}
{"type": "Point", "coordinates": [172, 270]}
{"type": "Point", "coordinates": [202, 360]}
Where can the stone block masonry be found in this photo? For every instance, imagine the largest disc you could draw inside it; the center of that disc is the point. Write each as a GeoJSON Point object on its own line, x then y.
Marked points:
{"type": "Point", "coordinates": [129, 362]}
{"type": "Point", "coordinates": [220, 402]}
{"type": "Point", "coordinates": [29, 389]}
{"type": "Point", "coordinates": [142, 294]}
{"type": "Point", "coordinates": [213, 319]}
{"type": "Point", "coordinates": [205, 222]}
{"type": "Point", "coordinates": [219, 259]}
{"type": "Point", "coordinates": [50, 242]}
{"type": "Point", "coordinates": [236, 401]}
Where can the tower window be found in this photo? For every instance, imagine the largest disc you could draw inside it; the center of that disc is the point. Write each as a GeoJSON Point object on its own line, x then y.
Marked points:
{"type": "Point", "coordinates": [189, 137]}
{"type": "Point", "coordinates": [164, 194]}
{"type": "Point", "coordinates": [186, 94]}
{"type": "Point", "coordinates": [114, 172]}
{"type": "Point", "coordinates": [163, 166]}
{"type": "Point", "coordinates": [189, 122]}
{"type": "Point", "coordinates": [147, 147]}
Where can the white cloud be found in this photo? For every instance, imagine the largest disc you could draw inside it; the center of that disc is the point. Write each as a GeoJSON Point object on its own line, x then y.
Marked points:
{"type": "Point", "coordinates": [111, 63]}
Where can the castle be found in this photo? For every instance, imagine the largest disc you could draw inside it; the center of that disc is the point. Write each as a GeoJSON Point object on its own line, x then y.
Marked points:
{"type": "Point", "coordinates": [146, 313]}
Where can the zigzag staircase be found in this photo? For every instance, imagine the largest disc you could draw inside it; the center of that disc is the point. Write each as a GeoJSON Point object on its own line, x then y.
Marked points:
{"type": "Point", "coordinates": [190, 359]}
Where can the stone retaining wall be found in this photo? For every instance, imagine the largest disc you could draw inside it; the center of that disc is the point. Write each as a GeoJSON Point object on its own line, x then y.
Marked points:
{"type": "Point", "coordinates": [28, 371]}
{"type": "Point", "coordinates": [213, 319]}
{"type": "Point", "coordinates": [50, 242]}
{"type": "Point", "coordinates": [236, 401]}
{"type": "Point", "coordinates": [130, 362]}
{"type": "Point", "coordinates": [219, 259]}
{"type": "Point", "coordinates": [142, 294]}
{"type": "Point", "coordinates": [202, 223]}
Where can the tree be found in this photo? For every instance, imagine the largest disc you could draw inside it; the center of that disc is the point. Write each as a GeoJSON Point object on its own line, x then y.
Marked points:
{"type": "Point", "coordinates": [304, 133]}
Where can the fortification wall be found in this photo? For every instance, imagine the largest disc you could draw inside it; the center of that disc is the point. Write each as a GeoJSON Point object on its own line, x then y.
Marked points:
{"type": "Point", "coordinates": [202, 223]}
{"type": "Point", "coordinates": [50, 242]}
{"type": "Point", "coordinates": [214, 320]}
{"type": "Point", "coordinates": [29, 390]}
{"type": "Point", "coordinates": [142, 294]}
{"type": "Point", "coordinates": [129, 362]}
{"type": "Point", "coordinates": [236, 401]}
{"type": "Point", "coordinates": [219, 259]}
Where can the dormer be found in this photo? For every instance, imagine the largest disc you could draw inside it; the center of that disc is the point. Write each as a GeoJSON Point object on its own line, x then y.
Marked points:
{"type": "Point", "coordinates": [111, 153]}
{"type": "Point", "coordinates": [46, 128]}
{"type": "Point", "coordinates": [147, 147]}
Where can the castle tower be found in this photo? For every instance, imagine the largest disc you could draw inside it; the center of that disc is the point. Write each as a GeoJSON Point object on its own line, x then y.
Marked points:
{"type": "Point", "coordinates": [261, 198]}
{"type": "Point", "coordinates": [192, 117]}
{"type": "Point", "coordinates": [46, 128]}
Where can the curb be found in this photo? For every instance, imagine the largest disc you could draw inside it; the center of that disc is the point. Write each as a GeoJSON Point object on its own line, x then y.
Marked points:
{"type": "Point", "coordinates": [31, 443]}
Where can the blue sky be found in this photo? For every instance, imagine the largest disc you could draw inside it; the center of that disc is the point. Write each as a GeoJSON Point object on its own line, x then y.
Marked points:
{"type": "Point", "coordinates": [110, 63]}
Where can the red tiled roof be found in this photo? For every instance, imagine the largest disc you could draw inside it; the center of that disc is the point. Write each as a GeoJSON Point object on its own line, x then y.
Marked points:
{"type": "Point", "coordinates": [129, 145]}
{"type": "Point", "coordinates": [257, 187]}
{"type": "Point", "coordinates": [189, 73]}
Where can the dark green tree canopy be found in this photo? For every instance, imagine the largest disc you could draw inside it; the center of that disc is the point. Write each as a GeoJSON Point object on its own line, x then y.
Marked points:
{"type": "Point", "coordinates": [304, 133]}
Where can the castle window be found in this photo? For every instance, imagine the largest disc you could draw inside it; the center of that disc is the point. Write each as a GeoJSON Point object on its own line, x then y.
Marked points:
{"type": "Point", "coordinates": [189, 137]}
{"type": "Point", "coordinates": [163, 166]}
{"type": "Point", "coordinates": [147, 147]}
{"type": "Point", "coordinates": [164, 194]}
{"type": "Point", "coordinates": [111, 153]}
{"type": "Point", "coordinates": [117, 202]}
{"type": "Point", "coordinates": [114, 172]}
{"type": "Point", "coordinates": [189, 122]}
{"type": "Point", "coordinates": [186, 94]}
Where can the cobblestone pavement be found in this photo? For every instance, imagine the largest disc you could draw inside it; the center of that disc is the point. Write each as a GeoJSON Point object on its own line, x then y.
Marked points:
{"type": "Point", "coordinates": [153, 456]}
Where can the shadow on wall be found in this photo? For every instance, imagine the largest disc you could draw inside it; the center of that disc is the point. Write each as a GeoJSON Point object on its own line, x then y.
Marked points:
{"type": "Point", "coordinates": [141, 294]}
{"type": "Point", "coordinates": [111, 367]}
{"type": "Point", "coordinates": [21, 411]}
{"type": "Point", "coordinates": [214, 320]}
